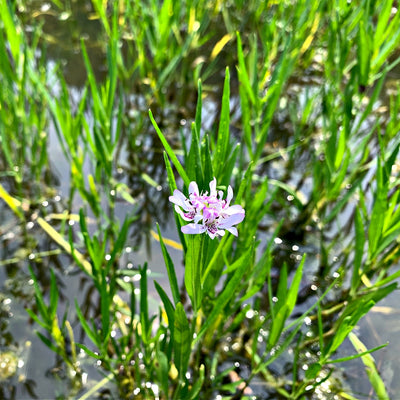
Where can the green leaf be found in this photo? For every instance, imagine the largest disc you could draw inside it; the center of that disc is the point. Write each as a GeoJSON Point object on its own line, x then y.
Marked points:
{"type": "Point", "coordinates": [194, 167]}
{"type": "Point", "coordinates": [119, 243]}
{"type": "Point", "coordinates": [193, 267]}
{"type": "Point", "coordinates": [220, 155]}
{"type": "Point", "coordinates": [144, 305]}
{"type": "Point", "coordinates": [43, 311]}
{"type": "Point", "coordinates": [89, 352]}
{"type": "Point", "coordinates": [358, 250]}
{"type": "Point", "coordinates": [169, 308]}
{"type": "Point", "coordinates": [378, 211]}
{"type": "Point", "coordinates": [313, 370]}
{"type": "Point", "coordinates": [242, 71]}
{"type": "Point", "coordinates": [229, 166]}
{"type": "Point", "coordinates": [170, 269]}
{"type": "Point", "coordinates": [342, 202]}
{"type": "Point", "coordinates": [43, 324]}
{"type": "Point", "coordinates": [162, 369]}
{"type": "Point", "coordinates": [53, 295]}
{"type": "Point", "coordinates": [182, 340]}
{"type": "Point", "coordinates": [105, 303]}
{"type": "Point", "coordinates": [298, 200]}
{"type": "Point", "coordinates": [372, 372]}
{"type": "Point", "coordinates": [281, 293]}
{"type": "Point", "coordinates": [228, 292]}
{"type": "Point", "coordinates": [353, 312]}
{"type": "Point", "coordinates": [341, 147]}
{"type": "Point", "coordinates": [172, 186]}
{"type": "Point", "coordinates": [14, 35]}
{"type": "Point", "coordinates": [363, 52]}
{"type": "Point", "coordinates": [355, 356]}
{"type": "Point", "coordinates": [382, 24]}
{"type": "Point", "coordinates": [170, 152]}
{"type": "Point", "coordinates": [206, 160]}
{"type": "Point", "coordinates": [199, 107]}
{"type": "Point", "coordinates": [49, 343]}
{"type": "Point", "coordinates": [194, 392]}
{"type": "Point", "coordinates": [285, 305]}
{"type": "Point", "coordinates": [88, 330]}
{"type": "Point", "coordinates": [295, 286]}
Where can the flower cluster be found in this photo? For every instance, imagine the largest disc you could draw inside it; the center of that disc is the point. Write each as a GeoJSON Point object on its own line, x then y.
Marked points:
{"type": "Point", "coordinates": [208, 213]}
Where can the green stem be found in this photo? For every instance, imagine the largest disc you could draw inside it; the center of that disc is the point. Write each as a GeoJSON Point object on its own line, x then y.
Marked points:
{"type": "Point", "coordinates": [194, 265]}
{"type": "Point", "coordinates": [215, 258]}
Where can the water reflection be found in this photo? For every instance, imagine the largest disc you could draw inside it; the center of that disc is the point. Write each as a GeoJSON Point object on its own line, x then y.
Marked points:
{"type": "Point", "coordinates": [62, 34]}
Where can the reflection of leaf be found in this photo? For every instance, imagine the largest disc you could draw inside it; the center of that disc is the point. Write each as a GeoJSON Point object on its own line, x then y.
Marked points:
{"type": "Point", "coordinates": [168, 242]}
{"type": "Point", "coordinates": [12, 202]}
{"type": "Point", "coordinates": [385, 310]}
{"type": "Point", "coordinates": [220, 45]}
{"type": "Point", "coordinates": [64, 244]}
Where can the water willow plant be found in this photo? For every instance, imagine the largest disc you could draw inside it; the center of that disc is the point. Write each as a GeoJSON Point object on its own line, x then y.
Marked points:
{"type": "Point", "coordinates": [206, 264]}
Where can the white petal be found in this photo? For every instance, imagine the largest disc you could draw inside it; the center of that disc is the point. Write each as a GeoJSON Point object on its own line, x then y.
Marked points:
{"type": "Point", "coordinates": [231, 220]}
{"type": "Point", "coordinates": [213, 188]}
{"type": "Point", "coordinates": [212, 235]}
{"type": "Point", "coordinates": [179, 199]}
{"type": "Point", "coordinates": [232, 230]}
{"type": "Point", "coordinates": [229, 195]}
{"type": "Point", "coordinates": [182, 214]}
{"type": "Point", "coordinates": [193, 188]}
{"type": "Point", "coordinates": [197, 218]}
{"type": "Point", "coordinates": [193, 229]}
{"type": "Point", "coordinates": [236, 209]}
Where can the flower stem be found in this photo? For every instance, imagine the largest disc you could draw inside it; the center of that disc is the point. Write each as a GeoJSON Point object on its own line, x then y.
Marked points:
{"type": "Point", "coordinates": [193, 268]}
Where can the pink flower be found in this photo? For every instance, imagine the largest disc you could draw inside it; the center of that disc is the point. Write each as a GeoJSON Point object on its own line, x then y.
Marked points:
{"type": "Point", "coordinates": [208, 213]}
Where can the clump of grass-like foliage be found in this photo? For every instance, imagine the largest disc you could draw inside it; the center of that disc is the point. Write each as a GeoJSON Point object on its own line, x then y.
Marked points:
{"type": "Point", "coordinates": [307, 135]}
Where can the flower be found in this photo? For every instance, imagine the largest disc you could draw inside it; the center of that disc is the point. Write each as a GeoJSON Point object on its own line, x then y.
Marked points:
{"type": "Point", "coordinates": [208, 213]}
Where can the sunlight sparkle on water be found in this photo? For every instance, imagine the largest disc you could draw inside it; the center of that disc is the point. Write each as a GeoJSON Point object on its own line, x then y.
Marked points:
{"type": "Point", "coordinates": [30, 225]}
{"type": "Point", "coordinates": [236, 346]}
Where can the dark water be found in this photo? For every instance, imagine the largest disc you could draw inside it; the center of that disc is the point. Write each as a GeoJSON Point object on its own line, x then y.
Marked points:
{"type": "Point", "coordinates": [39, 373]}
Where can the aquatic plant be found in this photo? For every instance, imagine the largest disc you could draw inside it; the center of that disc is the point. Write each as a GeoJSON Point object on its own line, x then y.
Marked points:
{"type": "Point", "coordinates": [303, 140]}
